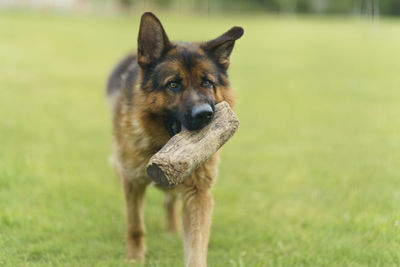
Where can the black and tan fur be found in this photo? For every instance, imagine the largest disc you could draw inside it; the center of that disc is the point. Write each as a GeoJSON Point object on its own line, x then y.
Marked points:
{"type": "Point", "coordinates": [150, 95]}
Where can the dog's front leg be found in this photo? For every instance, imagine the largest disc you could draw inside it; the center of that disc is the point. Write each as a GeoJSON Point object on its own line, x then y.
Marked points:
{"type": "Point", "coordinates": [197, 211]}
{"type": "Point", "coordinates": [134, 191]}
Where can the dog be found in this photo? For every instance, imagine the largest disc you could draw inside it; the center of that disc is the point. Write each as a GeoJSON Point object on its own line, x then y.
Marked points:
{"type": "Point", "coordinates": [164, 88]}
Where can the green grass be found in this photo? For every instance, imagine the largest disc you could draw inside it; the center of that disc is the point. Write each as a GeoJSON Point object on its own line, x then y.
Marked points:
{"type": "Point", "coordinates": [312, 178]}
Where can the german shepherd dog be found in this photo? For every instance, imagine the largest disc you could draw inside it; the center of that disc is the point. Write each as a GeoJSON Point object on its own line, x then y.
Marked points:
{"type": "Point", "coordinates": [167, 87]}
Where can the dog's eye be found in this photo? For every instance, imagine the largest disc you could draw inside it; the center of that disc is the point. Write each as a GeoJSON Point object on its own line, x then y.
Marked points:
{"type": "Point", "coordinates": [174, 86]}
{"type": "Point", "coordinates": [207, 83]}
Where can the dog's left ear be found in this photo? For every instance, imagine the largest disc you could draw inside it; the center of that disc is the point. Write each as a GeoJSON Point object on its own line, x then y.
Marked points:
{"type": "Point", "coordinates": [221, 47]}
{"type": "Point", "coordinates": [153, 42]}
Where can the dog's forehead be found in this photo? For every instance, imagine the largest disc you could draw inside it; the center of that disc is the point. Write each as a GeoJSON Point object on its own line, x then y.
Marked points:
{"type": "Point", "coordinates": [186, 58]}
{"type": "Point", "coordinates": [190, 47]}
{"type": "Point", "coordinates": [185, 49]}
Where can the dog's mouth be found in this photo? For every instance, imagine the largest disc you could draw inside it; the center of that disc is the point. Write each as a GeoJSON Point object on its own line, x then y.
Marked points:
{"type": "Point", "coordinates": [173, 125]}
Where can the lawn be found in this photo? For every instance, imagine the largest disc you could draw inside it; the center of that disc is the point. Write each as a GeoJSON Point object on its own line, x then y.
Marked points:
{"type": "Point", "coordinates": [312, 178]}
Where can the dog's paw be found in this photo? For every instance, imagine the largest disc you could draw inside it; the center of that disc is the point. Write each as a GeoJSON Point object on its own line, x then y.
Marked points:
{"type": "Point", "coordinates": [136, 257]}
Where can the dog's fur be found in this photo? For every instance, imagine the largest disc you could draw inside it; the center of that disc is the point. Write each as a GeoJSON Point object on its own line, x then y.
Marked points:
{"type": "Point", "coordinates": [147, 109]}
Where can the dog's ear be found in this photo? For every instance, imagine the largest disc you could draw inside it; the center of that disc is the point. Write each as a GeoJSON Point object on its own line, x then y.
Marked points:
{"type": "Point", "coordinates": [152, 40]}
{"type": "Point", "coordinates": [221, 47]}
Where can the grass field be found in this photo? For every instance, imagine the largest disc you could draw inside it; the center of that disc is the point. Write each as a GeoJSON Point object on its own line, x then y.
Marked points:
{"type": "Point", "coordinates": [312, 178]}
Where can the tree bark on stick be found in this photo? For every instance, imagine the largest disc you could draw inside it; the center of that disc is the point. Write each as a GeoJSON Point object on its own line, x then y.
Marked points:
{"type": "Point", "coordinates": [187, 150]}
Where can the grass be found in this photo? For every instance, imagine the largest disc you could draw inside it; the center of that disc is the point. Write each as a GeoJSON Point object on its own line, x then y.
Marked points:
{"type": "Point", "coordinates": [310, 179]}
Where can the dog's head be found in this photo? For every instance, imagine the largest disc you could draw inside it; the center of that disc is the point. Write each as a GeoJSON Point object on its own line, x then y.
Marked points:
{"type": "Point", "coordinates": [181, 82]}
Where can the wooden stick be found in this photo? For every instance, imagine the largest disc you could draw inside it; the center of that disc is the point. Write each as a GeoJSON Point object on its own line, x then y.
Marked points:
{"type": "Point", "coordinates": [187, 150]}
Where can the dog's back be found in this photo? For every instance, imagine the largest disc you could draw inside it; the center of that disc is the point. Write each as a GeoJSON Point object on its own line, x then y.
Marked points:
{"type": "Point", "coordinates": [123, 75]}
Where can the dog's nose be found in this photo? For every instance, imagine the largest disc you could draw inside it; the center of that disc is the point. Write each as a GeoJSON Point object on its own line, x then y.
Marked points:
{"type": "Point", "coordinates": [201, 115]}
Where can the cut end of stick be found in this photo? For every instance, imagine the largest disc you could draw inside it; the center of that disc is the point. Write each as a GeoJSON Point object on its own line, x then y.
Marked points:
{"type": "Point", "coordinates": [157, 175]}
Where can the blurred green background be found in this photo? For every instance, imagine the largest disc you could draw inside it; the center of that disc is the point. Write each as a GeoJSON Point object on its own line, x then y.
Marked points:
{"type": "Point", "coordinates": [374, 7]}
{"type": "Point", "coordinates": [310, 179]}
{"type": "Point", "coordinates": [386, 7]}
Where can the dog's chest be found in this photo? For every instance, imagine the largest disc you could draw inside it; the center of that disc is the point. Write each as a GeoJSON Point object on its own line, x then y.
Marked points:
{"type": "Point", "coordinates": [132, 149]}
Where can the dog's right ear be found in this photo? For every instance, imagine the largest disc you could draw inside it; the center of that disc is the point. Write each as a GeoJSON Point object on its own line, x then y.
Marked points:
{"type": "Point", "coordinates": [152, 40]}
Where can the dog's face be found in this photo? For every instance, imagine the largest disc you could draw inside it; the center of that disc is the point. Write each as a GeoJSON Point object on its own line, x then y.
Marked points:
{"type": "Point", "coordinates": [182, 81]}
